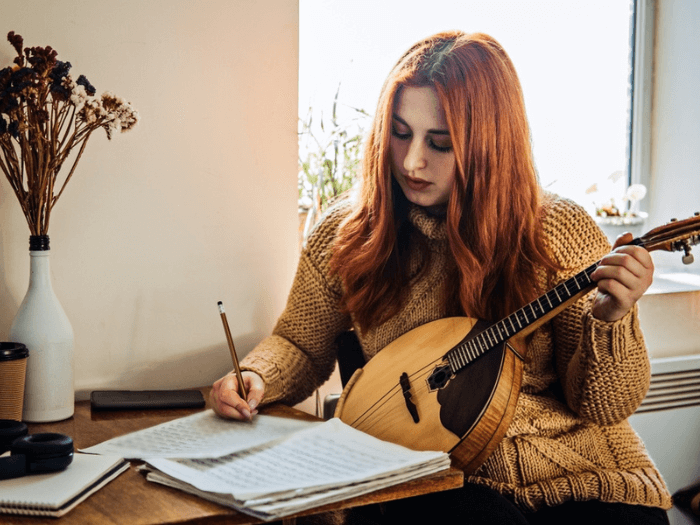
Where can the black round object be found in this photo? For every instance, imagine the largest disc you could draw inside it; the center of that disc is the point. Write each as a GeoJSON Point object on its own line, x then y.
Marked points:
{"type": "Point", "coordinates": [10, 430]}
{"type": "Point", "coordinates": [12, 351]}
{"type": "Point", "coordinates": [29, 453]}
{"type": "Point", "coordinates": [45, 452]}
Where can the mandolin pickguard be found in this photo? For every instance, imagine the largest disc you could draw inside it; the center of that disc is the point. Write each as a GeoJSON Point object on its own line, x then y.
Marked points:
{"type": "Point", "coordinates": [464, 398]}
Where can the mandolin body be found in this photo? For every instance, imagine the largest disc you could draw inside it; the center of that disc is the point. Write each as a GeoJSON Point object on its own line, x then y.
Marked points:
{"type": "Point", "coordinates": [467, 417]}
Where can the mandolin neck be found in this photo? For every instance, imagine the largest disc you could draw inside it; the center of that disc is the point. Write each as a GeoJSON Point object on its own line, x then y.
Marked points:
{"type": "Point", "coordinates": [674, 236]}
{"type": "Point", "coordinates": [526, 320]}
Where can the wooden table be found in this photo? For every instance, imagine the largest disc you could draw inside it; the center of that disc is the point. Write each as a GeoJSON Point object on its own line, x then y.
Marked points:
{"type": "Point", "coordinates": [130, 499]}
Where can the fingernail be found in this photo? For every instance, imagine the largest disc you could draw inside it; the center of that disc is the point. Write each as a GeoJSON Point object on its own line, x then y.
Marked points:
{"type": "Point", "coordinates": [245, 413]}
{"type": "Point", "coordinates": [252, 404]}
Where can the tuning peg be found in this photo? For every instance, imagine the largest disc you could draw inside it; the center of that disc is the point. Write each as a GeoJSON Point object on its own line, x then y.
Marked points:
{"type": "Point", "coordinates": [688, 257]}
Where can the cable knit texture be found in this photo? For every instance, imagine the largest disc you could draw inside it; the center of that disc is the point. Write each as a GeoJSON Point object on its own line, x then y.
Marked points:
{"type": "Point", "coordinates": [569, 438]}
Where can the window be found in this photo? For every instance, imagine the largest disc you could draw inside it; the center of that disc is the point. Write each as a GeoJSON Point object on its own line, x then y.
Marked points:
{"type": "Point", "coordinates": [573, 59]}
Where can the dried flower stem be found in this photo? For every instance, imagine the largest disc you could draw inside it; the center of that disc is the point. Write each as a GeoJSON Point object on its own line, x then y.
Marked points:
{"type": "Point", "coordinates": [44, 116]}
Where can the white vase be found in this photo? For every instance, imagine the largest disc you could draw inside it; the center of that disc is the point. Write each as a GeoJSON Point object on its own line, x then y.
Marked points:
{"type": "Point", "coordinates": [43, 327]}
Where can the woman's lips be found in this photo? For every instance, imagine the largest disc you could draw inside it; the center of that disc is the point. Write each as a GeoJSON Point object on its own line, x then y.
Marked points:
{"type": "Point", "coordinates": [416, 184]}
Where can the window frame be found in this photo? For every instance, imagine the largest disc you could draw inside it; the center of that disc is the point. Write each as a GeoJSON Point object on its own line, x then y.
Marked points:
{"type": "Point", "coordinates": [640, 131]}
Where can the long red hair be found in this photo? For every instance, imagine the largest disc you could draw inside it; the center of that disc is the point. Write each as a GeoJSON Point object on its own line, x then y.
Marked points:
{"type": "Point", "coordinates": [493, 211]}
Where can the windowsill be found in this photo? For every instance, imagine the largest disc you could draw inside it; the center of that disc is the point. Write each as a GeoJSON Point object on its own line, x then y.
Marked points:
{"type": "Point", "coordinates": [668, 312]}
{"type": "Point", "coordinates": [674, 282]}
{"type": "Point", "coordinates": [670, 274]}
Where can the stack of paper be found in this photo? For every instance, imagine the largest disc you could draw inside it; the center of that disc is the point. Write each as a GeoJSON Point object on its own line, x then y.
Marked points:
{"type": "Point", "coordinates": [281, 471]}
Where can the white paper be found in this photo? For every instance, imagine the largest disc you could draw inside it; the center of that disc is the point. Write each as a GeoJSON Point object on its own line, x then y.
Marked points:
{"type": "Point", "coordinates": [273, 466]}
{"type": "Point", "coordinates": [277, 508]}
{"type": "Point", "coordinates": [333, 454]}
{"type": "Point", "coordinates": [56, 493]}
{"type": "Point", "coordinates": [201, 435]}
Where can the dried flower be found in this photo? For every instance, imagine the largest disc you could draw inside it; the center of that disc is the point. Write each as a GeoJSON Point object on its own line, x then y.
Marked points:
{"type": "Point", "coordinates": [630, 197]}
{"type": "Point", "coordinates": [44, 114]}
{"type": "Point", "coordinates": [635, 192]}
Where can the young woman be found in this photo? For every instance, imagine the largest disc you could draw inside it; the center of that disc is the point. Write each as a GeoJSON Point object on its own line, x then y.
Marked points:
{"type": "Point", "coordinates": [451, 220]}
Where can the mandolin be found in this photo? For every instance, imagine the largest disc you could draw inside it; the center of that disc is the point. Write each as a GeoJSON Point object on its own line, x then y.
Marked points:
{"type": "Point", "coordinates": [434, 388]}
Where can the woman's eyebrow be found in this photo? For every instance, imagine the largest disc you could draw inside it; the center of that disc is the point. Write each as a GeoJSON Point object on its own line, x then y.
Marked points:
{"type": "Point", "coordinates": [431, 131]}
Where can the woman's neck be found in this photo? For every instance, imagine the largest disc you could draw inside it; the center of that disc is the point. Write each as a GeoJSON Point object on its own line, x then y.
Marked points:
{"type": "Point", "coordinates": [439, 211]}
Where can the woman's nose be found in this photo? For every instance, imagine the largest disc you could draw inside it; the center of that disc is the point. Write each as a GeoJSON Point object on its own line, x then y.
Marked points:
{"type": "Point", "coordinates": [415, 156]}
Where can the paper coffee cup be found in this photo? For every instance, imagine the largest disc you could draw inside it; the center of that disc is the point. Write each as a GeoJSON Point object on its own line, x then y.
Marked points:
{"type": "Point", "coordinates": [13, 369]}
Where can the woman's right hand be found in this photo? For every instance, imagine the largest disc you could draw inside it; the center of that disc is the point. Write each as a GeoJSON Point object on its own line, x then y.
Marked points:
{"type": "Point", "coordinates": [228, 403]}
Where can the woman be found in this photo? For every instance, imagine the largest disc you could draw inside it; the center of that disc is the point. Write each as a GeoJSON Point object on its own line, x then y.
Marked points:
{"type": "Point", "coordinates": [451, 220]}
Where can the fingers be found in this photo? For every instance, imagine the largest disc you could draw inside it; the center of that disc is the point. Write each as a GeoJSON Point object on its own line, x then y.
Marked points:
{"type": "Point", "coordinates": [622, 277]}
{"type": "Point", "coordinates": [623, 240]}
{"type": "Point", "coordinates": [256, 390]}
{"type": "Point", "coordinates": [226, 400]}
{"type": "Point", "coordinates": [630, 266]}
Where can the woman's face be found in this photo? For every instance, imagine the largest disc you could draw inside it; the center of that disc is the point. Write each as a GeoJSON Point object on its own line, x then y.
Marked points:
{"type": "Point", "coordinates": [422, 158]}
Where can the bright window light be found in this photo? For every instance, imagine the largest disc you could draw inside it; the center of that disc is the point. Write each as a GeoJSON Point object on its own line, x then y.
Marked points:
{"type": "Point", "coordinates": [572, 57]}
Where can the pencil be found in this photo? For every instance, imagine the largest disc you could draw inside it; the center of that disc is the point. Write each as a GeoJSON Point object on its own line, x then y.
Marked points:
{"type": "Point", "coordinates": [234, 357]}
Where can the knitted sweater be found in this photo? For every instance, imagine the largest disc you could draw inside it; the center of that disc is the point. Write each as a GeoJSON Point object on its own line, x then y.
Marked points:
{"type": "Point", "coordinates": [569, 438]}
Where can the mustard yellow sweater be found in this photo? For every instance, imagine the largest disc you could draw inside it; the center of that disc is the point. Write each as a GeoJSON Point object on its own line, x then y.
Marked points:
{"type": "Point", "coordinates": [577, 445]}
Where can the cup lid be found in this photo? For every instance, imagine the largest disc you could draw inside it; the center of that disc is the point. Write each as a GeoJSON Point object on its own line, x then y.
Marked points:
{"type": "Point", "coordinates": [12, 351]}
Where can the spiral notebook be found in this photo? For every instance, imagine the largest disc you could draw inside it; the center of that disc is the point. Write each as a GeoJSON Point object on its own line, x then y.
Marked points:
{"type": "Point", "coordinates": [55, 494]}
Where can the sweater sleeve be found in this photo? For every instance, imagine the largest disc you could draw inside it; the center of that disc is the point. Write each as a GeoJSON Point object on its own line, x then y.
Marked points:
{"type": "Point", "coordinates": [603, 366]}
{"type": "Point", "coordinates": [300, 354]}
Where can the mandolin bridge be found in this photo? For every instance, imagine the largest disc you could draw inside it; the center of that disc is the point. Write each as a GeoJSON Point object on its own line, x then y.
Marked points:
{"type": "Point", "coordinates": [440, 377]}
{"type": "Point", "coordinates": [410, 405]}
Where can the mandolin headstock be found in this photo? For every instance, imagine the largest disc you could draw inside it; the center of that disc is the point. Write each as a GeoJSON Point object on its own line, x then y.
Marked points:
{"type": "Point", "coordinates": [674, 237]}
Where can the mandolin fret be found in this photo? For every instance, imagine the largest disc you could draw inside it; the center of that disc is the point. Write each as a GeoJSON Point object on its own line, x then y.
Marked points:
{"type": "Point", "coordinates": [546, 296]}
{"type": "Point", "coordinates": [469, 350]}
{"type": "Point", "coordinates": [473, 351]}
{"type": "Point", "coordinates": [453, 360]}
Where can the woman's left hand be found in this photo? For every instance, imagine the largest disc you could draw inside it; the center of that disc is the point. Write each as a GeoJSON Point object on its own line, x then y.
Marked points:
{"type": "Point", "coordinates": [622, 277]}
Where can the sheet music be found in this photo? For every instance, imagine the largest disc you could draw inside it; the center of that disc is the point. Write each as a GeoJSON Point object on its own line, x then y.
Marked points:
{"type": "Point", "coordinates": [283, 507]}
{"type": "Point", "coordinates": [201, 435]}
{"type": "Point", "coordinates": [273, 466]}
{"type": "Point", "coordinates": [333, 454]}
{"type": "Point", "coordinates": [278, 507]}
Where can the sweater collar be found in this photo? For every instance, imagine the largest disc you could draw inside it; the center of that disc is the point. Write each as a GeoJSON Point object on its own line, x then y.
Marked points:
{"type": "Point", "coordinates": [432, 226]}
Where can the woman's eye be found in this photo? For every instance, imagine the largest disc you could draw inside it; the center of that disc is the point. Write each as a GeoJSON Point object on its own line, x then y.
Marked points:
{"type": "Point", "coordinates": [400, 134]}
{"type": "Point", "coordinates": [440, 145]}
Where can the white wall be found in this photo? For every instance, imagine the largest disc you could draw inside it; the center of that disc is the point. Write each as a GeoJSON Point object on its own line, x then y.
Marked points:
{"type": "Point", "coordinates": [671, 319]}
{"type": "Point", "coordinates": [675, 148]}
{"type": "Point", "coordinates": [196, 204]}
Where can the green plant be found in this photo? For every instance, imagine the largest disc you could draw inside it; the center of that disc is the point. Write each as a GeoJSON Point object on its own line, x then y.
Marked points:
{"type": "Point", "coordinates": [330, 154]}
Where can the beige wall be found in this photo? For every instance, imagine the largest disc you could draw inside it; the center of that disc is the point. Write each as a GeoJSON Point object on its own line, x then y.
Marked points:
{"type": "Point", "coordinates": [196, 204]}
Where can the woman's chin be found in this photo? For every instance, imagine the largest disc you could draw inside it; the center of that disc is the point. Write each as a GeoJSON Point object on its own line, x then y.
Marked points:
{"type": "Point", "coordinates": [432, 205]}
